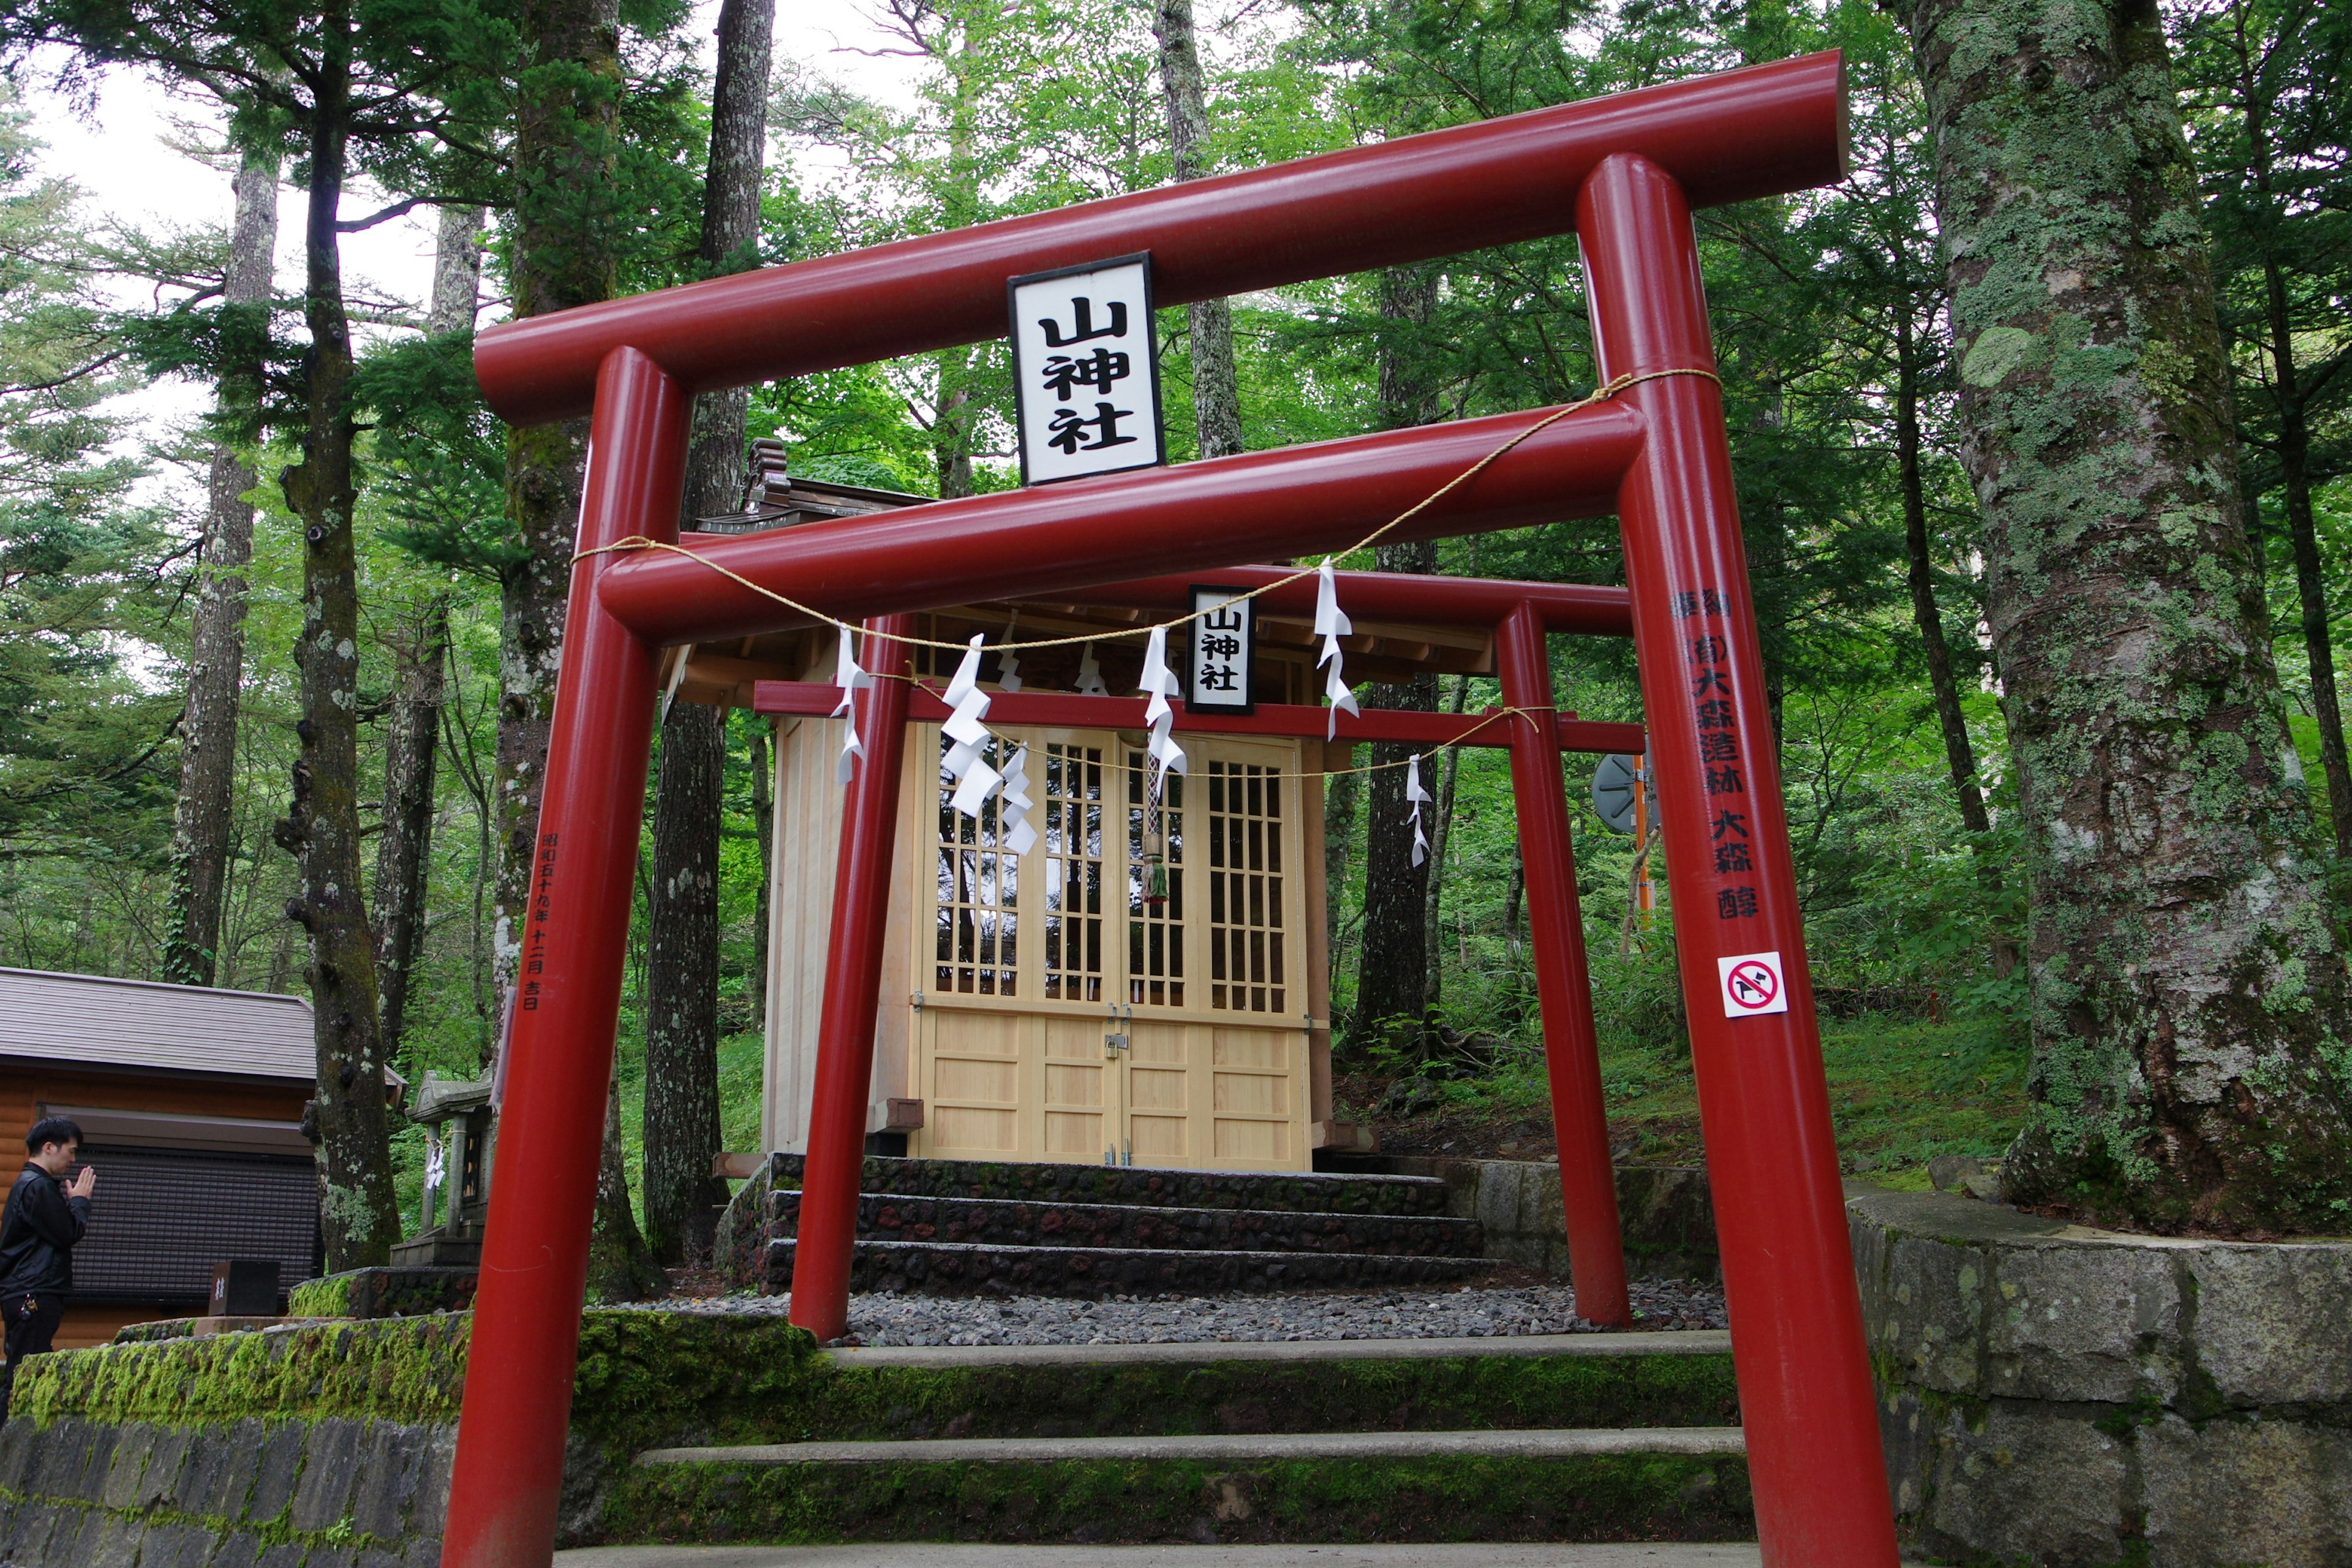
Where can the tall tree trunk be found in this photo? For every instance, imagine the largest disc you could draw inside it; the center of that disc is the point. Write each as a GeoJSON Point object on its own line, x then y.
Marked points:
{"type": "Point", "coordinates": [201, 826]}
{"type": "Point", "coordinates": [2294, 469]}
{"type": "Point", "coordinates": [681, 1109]}
{"type": "Point", "coordinates": [619, 1266]}
{"type": "Point", "coordinates": [457, 271]}
{"type": "Point", "coordinates": [2188, 994]}
{"type": "Point", "coordinates": [322, 823]}
{"type": "Point", "coordinates": [412, 752]}
{"type": "Point", "coordinates": [1960, 753]}
{"type": "Point", "coordinates": [1449, 772]}
{"type": "Point", "coordinates": [1339, 796]}
{"type": "Point", "coordinates": [681, 1112]}
{"type": "Point", "coordinates": [567, 217]}
{"type": "Point", "coordinates": [1392, 976]}
{"type": "Point", "coordinates": [2310, 581]}
{"type": "Point", "coordinates": [763, 823]}
{"type": "Point", "coordinates": [404, 850]}
{"type": "Point", "coordinates": [569, 212]}
{"type": "Point", "coordinates": [1216, 387]}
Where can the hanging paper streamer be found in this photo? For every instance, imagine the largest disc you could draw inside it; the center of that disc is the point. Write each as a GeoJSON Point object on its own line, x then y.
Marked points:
{"type": "Point", "coordinates": [1331, 624]}
{"type": "Point", "coordinates": [436, 1162]}
{"type": "Point", "coordinates": [1419, 798]}
{"type": "Point", "coordinates": [975, 780]}
{"type": "Point", "coordinates": [1160, 682]}
{"type": "Point", "coordinates": [1008, 663]}
{"type": "Point", "coordinates": [1090, 675]}
{"type": "Point", "coordinates": [851, 679]}
{"type": "Point", "coordinates": [1015, 834]}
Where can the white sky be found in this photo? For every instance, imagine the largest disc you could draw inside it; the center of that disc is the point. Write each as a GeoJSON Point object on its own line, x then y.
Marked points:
{"type": "Point", "coordinates": [124, 158]}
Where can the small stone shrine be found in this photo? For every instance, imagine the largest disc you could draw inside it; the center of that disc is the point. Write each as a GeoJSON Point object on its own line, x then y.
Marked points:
{"type": "Point", "coordinates": [455, 1114]}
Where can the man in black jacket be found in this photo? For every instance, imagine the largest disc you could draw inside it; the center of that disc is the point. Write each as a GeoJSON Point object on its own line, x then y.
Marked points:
{"type": "Point", "coordinates": [44, 1216]}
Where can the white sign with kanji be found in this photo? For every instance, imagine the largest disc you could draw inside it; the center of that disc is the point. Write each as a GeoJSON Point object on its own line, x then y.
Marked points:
{"type": "Point", "coordinates": [1086, 370]}
{"type": "Point", "coordinates": [1224, 652]}
{"type": "Point", "coordinates": [1753, 983]}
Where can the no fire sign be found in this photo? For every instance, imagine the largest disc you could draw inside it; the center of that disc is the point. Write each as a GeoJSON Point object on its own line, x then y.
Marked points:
{"type": "Point", "coordinates": [1753, 983]}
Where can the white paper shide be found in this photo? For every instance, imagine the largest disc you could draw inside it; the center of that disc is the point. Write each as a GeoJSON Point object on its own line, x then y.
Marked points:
{"type": "Point", "coordinates": [1086, 370]}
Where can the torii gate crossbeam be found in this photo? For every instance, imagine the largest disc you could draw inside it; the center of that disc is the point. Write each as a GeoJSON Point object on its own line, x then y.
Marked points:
{"type": "Point", "coordinates": [1622, 172]}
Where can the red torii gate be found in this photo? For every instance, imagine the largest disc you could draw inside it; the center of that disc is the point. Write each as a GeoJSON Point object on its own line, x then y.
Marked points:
{"type": "Point", "coordinates": [1623, 174]}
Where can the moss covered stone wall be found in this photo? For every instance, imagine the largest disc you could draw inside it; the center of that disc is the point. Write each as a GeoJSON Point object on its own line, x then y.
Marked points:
{"type": "Point", "coordinates": [329, 1445]}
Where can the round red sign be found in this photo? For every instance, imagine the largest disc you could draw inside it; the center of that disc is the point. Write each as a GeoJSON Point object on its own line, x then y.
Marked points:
{"type": "Point", "coordinates": [1752, 985]}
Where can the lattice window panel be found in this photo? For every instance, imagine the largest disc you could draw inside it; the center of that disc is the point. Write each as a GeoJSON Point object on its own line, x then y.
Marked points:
{"type": "Point", "coordinates": [1245, 935]}
{"type": "Point", "coordinates": [979, 887]}
{"type": "Point", "coordinates": [1073, 848]}
{"type": "Point", "coordinates": [1155, 930]}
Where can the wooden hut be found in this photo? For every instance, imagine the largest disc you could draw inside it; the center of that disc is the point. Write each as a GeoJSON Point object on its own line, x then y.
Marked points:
{"type": "Point", "coordinates": [191, 1102]}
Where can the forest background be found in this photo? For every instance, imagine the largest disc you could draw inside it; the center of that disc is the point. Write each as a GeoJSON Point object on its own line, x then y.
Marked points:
{"type": "Point", "coordinates": [1832, 320]}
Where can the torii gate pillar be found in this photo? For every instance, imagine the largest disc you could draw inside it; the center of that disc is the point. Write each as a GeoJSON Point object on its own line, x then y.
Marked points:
{"type": "Point", "coordinates": [1805, 1392]}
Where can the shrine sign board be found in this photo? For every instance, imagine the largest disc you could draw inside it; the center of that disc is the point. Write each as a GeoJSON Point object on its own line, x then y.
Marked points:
{"type": "Point", "coordinates": [1086, 370]}
{"type": "Point", "coordinates": [1222, 663]}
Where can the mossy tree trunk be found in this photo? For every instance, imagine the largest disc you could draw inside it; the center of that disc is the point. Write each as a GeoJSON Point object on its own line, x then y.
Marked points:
{"type": "Point", "coordinates": [567, 222]}
{"type": "Point", "coordinates": [1216, 385]}
{"type": "Point", "coordinates": [403, 851]}
{"type": "Point", "coordinates": [2189, 1001]}
{"type": "Point", "coordinates": [321, 827]}
{"type": "Point", "coordinates": [681, 1113]}
{"type": "Point", "coordinates": [1392, 974]}
{"type": "Point", "coordinates": [201, 825]}
{"type": "Point", "coordinates": [571, 213]}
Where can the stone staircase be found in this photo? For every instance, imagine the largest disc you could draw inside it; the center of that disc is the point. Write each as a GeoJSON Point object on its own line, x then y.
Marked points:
{"type": "Point", "coordinates": [968, 1227]}
{"type": "Point", "coordinates": [1580, 1437]}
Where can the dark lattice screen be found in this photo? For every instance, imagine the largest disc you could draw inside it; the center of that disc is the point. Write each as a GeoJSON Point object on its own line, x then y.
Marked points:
{"type": "Point", "coordinates": [161, 1220]}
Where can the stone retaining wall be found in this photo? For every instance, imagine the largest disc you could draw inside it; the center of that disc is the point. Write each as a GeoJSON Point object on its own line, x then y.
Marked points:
{"type": "Point", "coordinates": [2059, 1395]}
{"type": "Point", "coordinates": [329, 1445]}
{"type": "Point", "coordinates": [1666, 1214]}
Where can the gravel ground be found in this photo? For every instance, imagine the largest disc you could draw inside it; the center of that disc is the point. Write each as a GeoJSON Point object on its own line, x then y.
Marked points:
{"type": "Point", "coordinates": [895, 1319]}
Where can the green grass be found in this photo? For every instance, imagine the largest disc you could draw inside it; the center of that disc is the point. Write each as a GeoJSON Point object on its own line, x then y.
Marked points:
{"type": "Point", "coordinates": [1902, 1092]}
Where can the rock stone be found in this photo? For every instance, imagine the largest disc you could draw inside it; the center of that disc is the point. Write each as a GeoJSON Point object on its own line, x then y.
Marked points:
{"type": "Point", "coordinates": [2247, 1492]}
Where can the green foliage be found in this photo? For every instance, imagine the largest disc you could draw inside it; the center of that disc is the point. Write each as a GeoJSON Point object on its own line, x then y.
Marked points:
{"type": "Point", "coordinates": [87, 575]}
{"type": "Point", "coordinates": [643, 1376]}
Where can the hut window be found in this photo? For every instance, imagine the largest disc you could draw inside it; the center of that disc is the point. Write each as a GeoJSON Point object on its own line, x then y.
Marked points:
{"type": "Point", "coordinates": [1155, 888]}
{"type": "Point", "coordinates": [1072, 845]}
{"type": "Point", "coordinates": [1245, 934]}
{"type": "Point", "coordinates": [979, 891]}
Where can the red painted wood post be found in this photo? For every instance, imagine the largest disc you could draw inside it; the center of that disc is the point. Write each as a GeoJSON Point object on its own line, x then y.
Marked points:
{"type": "Point", "coordinates": [853, 995]}
{"type": "Point", "coordinates": [1805, 1393]}
{"type": "Point", "coordinates": [526, 1333]}
{"type": "Point", "coordinates": [1588, 1176]}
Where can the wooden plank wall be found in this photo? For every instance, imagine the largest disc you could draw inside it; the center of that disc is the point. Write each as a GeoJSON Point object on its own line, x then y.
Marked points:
{"type": "Point", "coordinates": [806, 853]}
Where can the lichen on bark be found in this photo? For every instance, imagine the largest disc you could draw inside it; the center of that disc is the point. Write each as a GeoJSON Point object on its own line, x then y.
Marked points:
{"type": "Point", "coordinates": [2189, 996]}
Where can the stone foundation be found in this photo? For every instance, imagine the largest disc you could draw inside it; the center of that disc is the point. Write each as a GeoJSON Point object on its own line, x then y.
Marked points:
{"type": "Point", "coordinates": [2057, 1396]}
{"type": "Point", "coordinates": [1664, 1211]}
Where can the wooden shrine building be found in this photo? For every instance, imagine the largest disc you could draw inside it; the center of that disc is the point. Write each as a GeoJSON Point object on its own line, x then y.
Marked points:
{"type": "Point", "coordinates": [1148, 983]}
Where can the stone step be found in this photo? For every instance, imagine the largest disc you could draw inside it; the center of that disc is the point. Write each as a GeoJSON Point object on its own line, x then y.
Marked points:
{"type": "Point", "coordinates": [968, 1268]}
{"type": "Point", "coordinates": [1357, 1554]}
{"type": "Point", "coordinates": [1300, 1193]}
{"type": "Point", "coordinates": [1595, 1380]}
{"type": "Point", "coordinates": [1007, 1222]}
{"type": "Point", "coordinates": [1505, 1486]}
